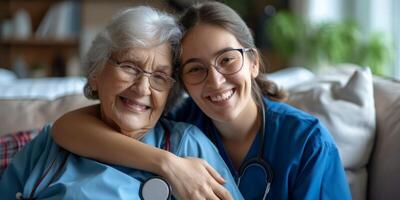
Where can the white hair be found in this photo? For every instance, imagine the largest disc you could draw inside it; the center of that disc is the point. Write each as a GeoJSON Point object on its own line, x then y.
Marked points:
{"type": "Point", "coordinates": [141, 27]}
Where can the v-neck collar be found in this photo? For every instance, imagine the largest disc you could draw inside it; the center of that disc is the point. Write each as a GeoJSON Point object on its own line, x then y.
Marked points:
{"type": "Point", "coordinates": [217, 140]}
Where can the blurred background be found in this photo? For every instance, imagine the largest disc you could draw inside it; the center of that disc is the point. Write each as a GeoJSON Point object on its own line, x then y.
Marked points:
{"type": "Point", "coordinates": [48, 38]}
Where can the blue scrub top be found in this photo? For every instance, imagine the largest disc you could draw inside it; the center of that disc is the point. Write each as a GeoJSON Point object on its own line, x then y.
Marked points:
{"type": "Point", "coordinates": [299, 149]}
{"type": "Point", "coordinates": [83, 178]}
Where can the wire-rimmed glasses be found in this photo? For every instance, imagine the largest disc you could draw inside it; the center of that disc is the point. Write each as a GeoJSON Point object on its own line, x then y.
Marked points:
{"type": "Point", "coordinates": [227, 62]}
{"type": "Point", "coordinates": [128, 71]}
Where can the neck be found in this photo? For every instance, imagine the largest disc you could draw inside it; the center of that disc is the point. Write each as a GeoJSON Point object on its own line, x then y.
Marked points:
{"type": "Point", "coordinates": [243, 127]}
{"type": "Point", "coordinates": [238, 134]}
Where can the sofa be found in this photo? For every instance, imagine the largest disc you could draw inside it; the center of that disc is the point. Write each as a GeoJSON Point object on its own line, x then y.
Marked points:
{"type": "Point", "coordinates": [361, 111]}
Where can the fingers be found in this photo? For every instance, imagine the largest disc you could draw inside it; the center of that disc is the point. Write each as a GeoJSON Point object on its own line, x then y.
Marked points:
{"type": "Point", "coordinates": [206, 192]}
{"type": "Point", "coordinates": [214, 173]}
{"type": "Point", "coordinates": [200, 181]}
{"type": "Point", "coordinates": [221, 192]}
{"type": "Point", "coordinates": [213, 191]}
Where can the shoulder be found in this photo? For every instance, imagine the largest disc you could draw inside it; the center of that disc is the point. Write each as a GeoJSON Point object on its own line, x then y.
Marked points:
{"type": "Point", "coordinates": [285, 111]}
{"type": "Point", "coordinates": [187, 138]}
{"type": "Point", "coordinates": [42, 141]}
{"type": "Point", "coordinates": [296, 125]}
{"type": "Point", "coordinates": [186, 111]}
{"type": "Point", "coordinates": [183, 130]}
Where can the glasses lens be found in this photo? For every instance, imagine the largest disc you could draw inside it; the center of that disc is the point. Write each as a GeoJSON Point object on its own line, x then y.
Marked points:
{"type": "Point", "coordinates": [128, 72]}
{"type": "Point", "coordinates": [229, 62]}
{"type": "Point", "coordinates": [160, 81]}
{"type": "Point", "coordinates": [194, 72]}
{"type": "Point", "coordinates": [253, 181]}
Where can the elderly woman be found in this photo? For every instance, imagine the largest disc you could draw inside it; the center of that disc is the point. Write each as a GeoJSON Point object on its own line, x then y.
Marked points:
{"type": "Point", "coordinates": [131, 73]}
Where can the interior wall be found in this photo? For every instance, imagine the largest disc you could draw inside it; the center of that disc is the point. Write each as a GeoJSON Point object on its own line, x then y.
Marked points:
{"type": "Point", "coordinates": [96, 15]}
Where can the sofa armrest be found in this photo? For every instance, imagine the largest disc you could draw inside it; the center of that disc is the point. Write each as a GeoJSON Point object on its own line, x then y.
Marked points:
{"type": "Point", "coordinates": [384, 168]}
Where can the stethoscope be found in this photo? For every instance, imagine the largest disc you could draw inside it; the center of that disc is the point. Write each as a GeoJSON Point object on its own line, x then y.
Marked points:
{"type": "Point", "coordinates": [157, 188]}
{"type": "Point", "coordinates": [153, 188]}
{"type": "Point", "coordinates": [256, 164]}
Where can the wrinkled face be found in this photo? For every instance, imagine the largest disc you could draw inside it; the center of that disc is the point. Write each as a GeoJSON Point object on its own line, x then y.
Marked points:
{"type": "Point", "coordinates": [221, 97]}
{"type": "Point", "coordinates": [128, 105]}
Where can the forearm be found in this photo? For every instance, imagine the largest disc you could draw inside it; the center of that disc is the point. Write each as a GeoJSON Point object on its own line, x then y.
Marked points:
{"type": "Point", "coordinates": [82, 133]}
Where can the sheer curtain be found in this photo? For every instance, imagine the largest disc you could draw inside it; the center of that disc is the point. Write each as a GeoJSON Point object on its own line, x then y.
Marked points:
{"type": "Point", "coordinates": [382, 16]}
{"type": "Point", "coordinates": [371, 15]}
{"type": "Point", "coordinates": [396, 30]}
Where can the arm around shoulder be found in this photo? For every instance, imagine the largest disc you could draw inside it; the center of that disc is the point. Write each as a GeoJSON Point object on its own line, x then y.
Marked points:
{"type": "Point", "coordinates": [83, 133]}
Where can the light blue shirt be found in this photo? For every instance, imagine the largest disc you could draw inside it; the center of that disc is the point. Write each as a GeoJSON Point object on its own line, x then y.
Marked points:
{"type": "Point", "coordinates": [301, 152]}
{"type": "Point", "coordinates": [83, 178]}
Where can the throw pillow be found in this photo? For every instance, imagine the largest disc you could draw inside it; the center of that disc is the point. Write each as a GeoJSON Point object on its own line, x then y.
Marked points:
{"type": "Point", "coordinates": [345, 104]}
{"type": "Point", "coordinates": [7, 76]}
{"type": "Point", "coordinates": [10, 144]}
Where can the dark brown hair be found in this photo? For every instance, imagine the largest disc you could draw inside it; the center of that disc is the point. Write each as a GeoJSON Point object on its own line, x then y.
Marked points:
{"type": "Point", "coordinates": [219, 14]}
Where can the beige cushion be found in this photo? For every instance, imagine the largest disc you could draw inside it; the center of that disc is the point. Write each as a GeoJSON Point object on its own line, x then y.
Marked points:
{"type": "Point", "coordinates": [27, 114]}
{"type": "Point", "coordinates": [384, 171]}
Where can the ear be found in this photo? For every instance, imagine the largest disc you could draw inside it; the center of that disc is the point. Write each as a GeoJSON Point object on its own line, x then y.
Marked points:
{"type": "Point", "coordinates": [255, 64]}
{"type": "Point", "coordinates": [93, 82]}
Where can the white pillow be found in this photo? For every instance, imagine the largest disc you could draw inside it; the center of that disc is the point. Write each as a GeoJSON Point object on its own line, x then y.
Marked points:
{"type": "Point", "coordinates": [42, 88]}
{"type": "Point", "coordinates": [7, 76]}
{"type": "Point", "coordinates": [344, 102]}
{"type": "Point", "coordinates": [290, 77]}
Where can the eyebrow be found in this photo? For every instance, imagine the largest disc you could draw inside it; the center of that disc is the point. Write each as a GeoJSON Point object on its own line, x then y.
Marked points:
{"type": "Point", "coordinates": [166, 69]}
{"type": "Point", "coordinates": [213, 55]}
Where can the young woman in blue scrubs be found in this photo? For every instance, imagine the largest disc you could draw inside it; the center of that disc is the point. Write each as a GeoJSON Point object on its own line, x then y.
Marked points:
{"type": "Point", "coordinates": [273, 150]}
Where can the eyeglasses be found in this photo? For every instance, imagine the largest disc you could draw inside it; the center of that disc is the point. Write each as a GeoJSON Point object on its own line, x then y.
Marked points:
{"type": "Point", "coordinates": [129, 72]}
{"type": "Point", "coordinates": [227, 62]}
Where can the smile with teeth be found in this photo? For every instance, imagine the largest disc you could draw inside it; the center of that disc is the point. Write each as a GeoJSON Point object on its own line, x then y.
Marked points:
{"type": "Point", "coordinates": [134, 105]}
{"type": "Point", "coordinates": [222, 96]}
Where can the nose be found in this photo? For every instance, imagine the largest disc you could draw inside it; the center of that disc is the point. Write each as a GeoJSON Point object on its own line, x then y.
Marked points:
{"type": "Point", "coordinates": [214, 79]}
{"type": "Point", "coordinates": [142, 85]}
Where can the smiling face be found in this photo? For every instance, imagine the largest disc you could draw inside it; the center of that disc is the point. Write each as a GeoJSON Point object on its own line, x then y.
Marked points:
{"type": "Point", "coordinates": [133, 106]}
{"type": "Point", "coordinates": [223, 98]}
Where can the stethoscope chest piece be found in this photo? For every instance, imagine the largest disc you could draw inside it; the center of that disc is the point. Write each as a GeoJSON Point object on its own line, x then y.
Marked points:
{"type": "Point", "coordinates": [155, 188]}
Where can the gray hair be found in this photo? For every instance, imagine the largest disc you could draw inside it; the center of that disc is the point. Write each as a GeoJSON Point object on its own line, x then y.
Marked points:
{"type": "Point", "coordinates": [137, 27]}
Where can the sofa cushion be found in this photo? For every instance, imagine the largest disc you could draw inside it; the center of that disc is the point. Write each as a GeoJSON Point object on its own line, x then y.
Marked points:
{"type": "Point", "coordinates": [27, 114]}
{"type": "Point", "coordinates": [384, 170]}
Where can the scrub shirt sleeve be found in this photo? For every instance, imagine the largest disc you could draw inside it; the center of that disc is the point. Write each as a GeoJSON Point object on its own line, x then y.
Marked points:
{"type": "Point", "coordinates": [195, 144]}
{"type": "Point", "coordinates": [17, 173]}
{"type": "Point", "coordinates": [321, 174]}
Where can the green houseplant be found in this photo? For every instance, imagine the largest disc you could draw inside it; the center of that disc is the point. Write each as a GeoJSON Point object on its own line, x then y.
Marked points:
{"type": "Point", "coordinates": [327, 43]}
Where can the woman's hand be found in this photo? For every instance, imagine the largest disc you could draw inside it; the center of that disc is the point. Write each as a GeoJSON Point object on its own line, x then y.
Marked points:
{"type": "Point", "coordinates": [194, 178]}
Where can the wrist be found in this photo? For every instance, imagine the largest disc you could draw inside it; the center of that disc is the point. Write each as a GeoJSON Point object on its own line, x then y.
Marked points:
{"type": "Point", "coordinates": [165, 166]}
